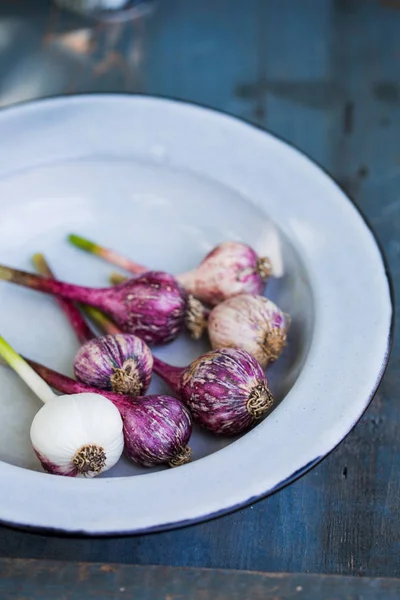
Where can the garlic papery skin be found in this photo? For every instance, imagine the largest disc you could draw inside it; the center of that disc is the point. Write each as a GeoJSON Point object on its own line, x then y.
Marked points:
{"type": "Point", "coordinates": [230, 269]}
{"type": "Point", "coordinates": [250, 322]}
{"type": "Point", "coordinates": [122, 363]}
{"type": "Point", "coordinates": [79, 435]}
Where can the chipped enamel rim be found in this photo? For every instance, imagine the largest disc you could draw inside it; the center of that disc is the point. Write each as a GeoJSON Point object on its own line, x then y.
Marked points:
{"type": "Point", "coordinates": [337, 381]}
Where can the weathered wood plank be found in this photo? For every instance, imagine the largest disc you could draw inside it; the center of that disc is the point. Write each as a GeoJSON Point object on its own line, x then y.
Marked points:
{"type": "Point", "coordinates": [47, 580]}
{"type": "Point", "coordinates": [360, 530]}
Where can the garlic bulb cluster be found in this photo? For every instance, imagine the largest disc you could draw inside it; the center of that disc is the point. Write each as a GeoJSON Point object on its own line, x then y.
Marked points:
{"type": "Point", "coordinates": [156, 428]}
{"type": "Point", "coordinates": [79, 435]}
{"type": "Point", "coordinates": [226, 391]}
{"type": "Point", "coordinates": [250, 322]}
{"type": "Point", "coordinates": [231, 268]}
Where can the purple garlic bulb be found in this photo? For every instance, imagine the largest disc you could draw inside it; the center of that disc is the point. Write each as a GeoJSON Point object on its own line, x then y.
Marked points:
{"type": "Point", "coordinates": [229, 269]}
{"type": "Point", "coordinates": [157, 431]}
{"type": "Point", "coordinates": [252, 323]}
{"type": "Point", "coordinates": [153, 306]}
{"type": "Point", "coordinates": [121, 363]}
{"type": "Point", "coordinates": [225, 390]}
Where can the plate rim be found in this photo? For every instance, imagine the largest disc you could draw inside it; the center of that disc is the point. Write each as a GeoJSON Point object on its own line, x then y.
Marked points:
{"type": "Point", "coordinates": [68, 532]}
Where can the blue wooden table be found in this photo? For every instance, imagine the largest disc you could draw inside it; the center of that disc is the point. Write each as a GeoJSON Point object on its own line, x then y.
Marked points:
{"type": "Point", "coordinates": [325, 75]}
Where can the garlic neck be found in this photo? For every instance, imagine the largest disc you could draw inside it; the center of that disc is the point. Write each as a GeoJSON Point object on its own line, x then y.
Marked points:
{"type": "Point", "coordinates": [264, 267]}
{"type": "Point", "coordinates": [90, 459]}
{"type": "Point", "coordinates": [195, 317]}
{"type": "Point", "coordinates": [274, 342]}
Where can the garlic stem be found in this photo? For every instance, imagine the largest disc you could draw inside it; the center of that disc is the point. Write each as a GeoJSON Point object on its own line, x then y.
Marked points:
{"type": "Point", "coordinates": [27, 374]}
{"type": "Point", "coordinates": [108, 255]}
{"type": "Point", "coordinates": [170, 374]}
{"type": "Point", "coordinates": [101, 320]}
{"type": "Point", "coordinates": [41, 265]}
{"type": "Point", "coordinates": [84, 244]}
{"type": "Point", "coordinates": [52, 286]}
{"type": "Point", "coordinates": [72, 313]}
{"type": "Point", "coordinates": [60, 382]}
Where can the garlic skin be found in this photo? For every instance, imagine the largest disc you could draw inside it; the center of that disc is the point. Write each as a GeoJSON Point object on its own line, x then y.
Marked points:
{"type": "Point", "coordinates": [121, 363]}
{"type": "Point", "coordinates": [79, 435]}
{"type": "Point", "coordinates": [252, 323]}
{"type": "Point", "coordinates": [230, 269]}
{"type": "Point", "coordinates": [157, 431]}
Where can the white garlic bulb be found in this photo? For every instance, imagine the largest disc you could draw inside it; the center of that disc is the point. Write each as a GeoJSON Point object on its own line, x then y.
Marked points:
{"type": "Point", "coordinates": [249, 322]}
{"type": "Point", "coordinates": [74, 435]}
{"type": "Point", "coordinates": [79, 435]}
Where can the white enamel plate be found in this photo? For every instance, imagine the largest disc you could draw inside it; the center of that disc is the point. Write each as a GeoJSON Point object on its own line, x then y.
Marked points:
{"type": "Point", "coordinates": [164, 182]}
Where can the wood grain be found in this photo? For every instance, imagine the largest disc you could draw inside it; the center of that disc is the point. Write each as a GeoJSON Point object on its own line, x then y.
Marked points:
{"type": "Point", "coordinates": [325, 75]}
{"type": "Point", "coordinates": [47, 580]}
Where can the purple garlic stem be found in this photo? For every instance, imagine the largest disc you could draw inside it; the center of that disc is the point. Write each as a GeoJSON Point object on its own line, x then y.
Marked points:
{"type": "Point", "coordinates": [92, 296]}
{"type": "Point", "coordinates": [73, 314]}
{"type": "Point", "coordinates": [170, 374]}
{"type": "Point", "coordinates": [67, 385]}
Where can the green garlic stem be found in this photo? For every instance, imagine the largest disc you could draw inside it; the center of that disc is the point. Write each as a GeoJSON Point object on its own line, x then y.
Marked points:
{"type": "Point", "coordinates": [100, 319]}
{"type": "Point", "coordinates": [41, 265]}
{"type": "Point", "coordinates": [117, 278]}
{"type": "Point", "coordinates": [84, 244]}
{"type": "Point", "coordinates": [27, 374]}
{"type": "Point", "coordinates": [106, 253]}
